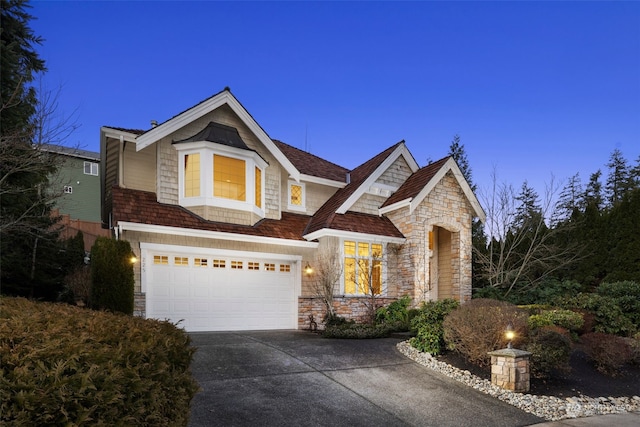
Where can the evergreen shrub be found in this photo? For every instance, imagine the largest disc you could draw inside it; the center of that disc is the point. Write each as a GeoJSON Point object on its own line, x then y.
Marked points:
{"type": "Point", "coordinates": [395, 315]}
{"type": "Point", "coordinates": [427, 325]}
{"type": "Point", "coordinates": [112, 280]}
{"type": "Point", "coordinates": [609, 317]}
{"type": "Point", "coordinates": [627, 297]}
{"type": "Point", "coordinates": [63, 365]}
{"type": "Point", "coordinates": [478, 327]}
{"type": "Point", "coordinates": [567, 319]}
{"type": "Point", "coordinates": [550, 351]}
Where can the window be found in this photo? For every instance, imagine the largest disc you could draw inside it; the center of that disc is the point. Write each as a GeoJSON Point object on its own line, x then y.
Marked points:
{"type": "Point", "coordinates": [200, 262]}
{"type": "Point", "coordinates": [236, 265]}
{"type": "Point", "coordinates": [213, 174]}
{"type": "Point", "coordinates": [362, 268]}
{"type": "Point", "coordinates": [161, 259]}
{"type": "Point", "coordinates": [253, 265]}
{"type": "Point", "coordinates": [181, 261]}
{"type": "Point", "coordinates": [219, 263]}
{"type": "Point", "coordinates": [90, 168]}
{"type": "Point", "coordinates": [269, 267]}
{"type": "Point", "coordinates": [258, 187]}
{"type": "Point", "coordinates": [296, 196]}
{"type": "Point", "coordinates": [192, 175]}
{"type": "Point", "coordinates": [229, 178]}
{"type": "Point", "coordinates": [68, 189]}
{"type": "Point", "coordinates": [285, 268]}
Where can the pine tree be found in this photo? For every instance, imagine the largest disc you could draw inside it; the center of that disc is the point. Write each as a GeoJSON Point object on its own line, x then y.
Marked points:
{"type": "Point", "coordinates": [570, 203]}
{"type": "Point", "coordinates": [457, 151]}
{"type": "Point", "coordinates": [618, 181]}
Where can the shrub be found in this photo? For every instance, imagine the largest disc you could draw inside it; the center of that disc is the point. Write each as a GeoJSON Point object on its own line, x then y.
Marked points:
{"type": "Point", "coordinates": [77, 286]}
{"type": "Point", "coordinates": [395, 315]}
{"type": "Point", "coordinates": [63, 365]}
{"type": "Point", "coordinates": [356, 331]}
{"type": "Point", "coordinates": [634, 344]}
{"type": "Point", "coordinates": [626, 296]}
{"type": "Point", "coordinates": [564, 318]}
{"type": "Point", "coordinates": [609, 352]}
{"type": "Point", "coordinates": [478, 327]}
{"type": "Point", "coordinates": [427, 324]}
{"type": "Point", "coordinates": [551, 351]}
{"type": "Point", "coordinates": [609, 318]}
{"type": "Point", "coordinates": [112, 278]}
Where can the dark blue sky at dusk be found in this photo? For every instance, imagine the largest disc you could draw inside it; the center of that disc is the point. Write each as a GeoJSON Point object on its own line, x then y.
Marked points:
{"type": "Point", "coordinates": [534, 89]}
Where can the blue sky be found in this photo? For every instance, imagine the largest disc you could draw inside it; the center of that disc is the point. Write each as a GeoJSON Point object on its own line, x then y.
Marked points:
{"type": "Point", "coordinates": [534, 89]}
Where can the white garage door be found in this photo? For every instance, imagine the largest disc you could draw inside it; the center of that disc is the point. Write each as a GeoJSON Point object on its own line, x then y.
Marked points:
{"type": "Point", "coordinates": [220, 292]}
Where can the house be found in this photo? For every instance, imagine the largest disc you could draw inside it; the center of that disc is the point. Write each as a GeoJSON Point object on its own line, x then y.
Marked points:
{"type": "Point", "coordinates": [76, 184]}
{"type": "Point", "coordinates": [226, 220]}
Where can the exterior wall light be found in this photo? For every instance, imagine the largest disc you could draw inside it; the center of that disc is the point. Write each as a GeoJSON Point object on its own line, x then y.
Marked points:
{"type": "Point", "coordinates": [133, 259]}
{"type": "Point", "coordinates": [509, 334]}
{"type": "Point", "coordinates": [308, 270]}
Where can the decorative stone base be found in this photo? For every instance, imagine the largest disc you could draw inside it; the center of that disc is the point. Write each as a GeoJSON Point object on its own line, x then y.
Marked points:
{"type": "Point", "coordinates": [510, 369]}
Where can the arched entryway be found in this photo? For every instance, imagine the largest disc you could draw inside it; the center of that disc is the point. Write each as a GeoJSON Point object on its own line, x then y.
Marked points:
{"type": "Point", "coordinates": [443, 263]}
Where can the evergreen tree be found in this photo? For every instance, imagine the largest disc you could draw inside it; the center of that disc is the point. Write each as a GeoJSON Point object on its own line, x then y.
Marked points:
{"type": "Point", "coordinates": [593, 193]}
{"type": "Point", "coordinates": [618, 181]}
{"type": "Point", "coordinates": [570, 203]}
{"type": "Point", "coordinates": [457, 151]}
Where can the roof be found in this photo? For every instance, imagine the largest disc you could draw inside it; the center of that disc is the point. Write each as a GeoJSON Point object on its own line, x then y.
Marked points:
{"type": "Point", "coordinates": [218, 133]}
{"type": "Point", "coordinates": [71, 151]}
{"type": "Point", "coordinates": [142, 207]}
{"type": "Point", "coordinates": [310, 164]}
{"type": "Point", "coordinates": [415, 183]}
{"type": "Point", "coordinates": [325, 216]}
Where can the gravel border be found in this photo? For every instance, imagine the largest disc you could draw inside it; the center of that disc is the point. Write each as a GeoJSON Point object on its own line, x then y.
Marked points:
{"type": "Point", "coordinates": [550, 408]}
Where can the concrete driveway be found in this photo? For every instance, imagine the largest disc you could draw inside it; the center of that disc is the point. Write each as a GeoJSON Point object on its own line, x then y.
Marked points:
{"type": "Point", "coordinates": [297, 378]}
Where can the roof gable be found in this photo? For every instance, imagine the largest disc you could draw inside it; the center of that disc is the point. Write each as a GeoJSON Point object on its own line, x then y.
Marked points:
{"type": "Point", "coordinates": [222, 98]}
{"type": "Point", "coordinates": [418, 186]}
{"type": "Point", "coordinates": [361, 178]}
{"type": "Point", "coordinates": [309, 164]}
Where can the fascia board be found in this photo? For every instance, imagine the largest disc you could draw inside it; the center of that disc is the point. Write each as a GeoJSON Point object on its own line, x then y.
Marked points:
{"type": "Point", "coordinates": [397, 205]}
{"type": "Point", "coordinates": [190, 232]}
{"type": "Point", "coordinates": [116, 134]}
{"type": "Point", "coordinates": [206, 107]}
{"type": "Point", "coordinates": [328, 232]}
{"type": "Point", "coordinates": [322, 181]}
{"type": "Point", "coordinates": [364, 187]}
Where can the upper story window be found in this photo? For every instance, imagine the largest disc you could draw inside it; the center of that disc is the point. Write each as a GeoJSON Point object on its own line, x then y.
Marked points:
{"type": "Point", "coordinates": [362, 268]}
{"type": "Point", "coordinates": [297, 196]}
{"type": "Point", "coordinates": [91, 168]}
{"type": "Point", "coordinates": [217, 175]}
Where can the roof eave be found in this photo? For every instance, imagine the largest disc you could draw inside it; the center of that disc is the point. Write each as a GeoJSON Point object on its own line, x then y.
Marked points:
{"type": "Point", "coordinates": [329, 232]}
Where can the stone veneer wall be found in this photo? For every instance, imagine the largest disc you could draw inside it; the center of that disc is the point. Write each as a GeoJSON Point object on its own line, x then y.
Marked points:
{"type": "Point", "coordinates": [348, 307]}
{"type": "Point", "coordinates": [446, 207]}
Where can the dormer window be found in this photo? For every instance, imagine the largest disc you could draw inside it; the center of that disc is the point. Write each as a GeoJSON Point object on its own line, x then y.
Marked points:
{"type": "Point", "coordinates": [224, 174]}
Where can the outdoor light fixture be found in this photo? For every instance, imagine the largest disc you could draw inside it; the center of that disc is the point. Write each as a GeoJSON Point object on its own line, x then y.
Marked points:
{"type": "Point", "coordinates": [308, 270]}
{"type": "Point", "coordinates": [133, 259]}
{"type": "Point", "coordinates": [509, 334]}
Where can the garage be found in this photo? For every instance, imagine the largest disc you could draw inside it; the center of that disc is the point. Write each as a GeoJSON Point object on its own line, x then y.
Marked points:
{"type": "Point", "coordinates": [220, 290]}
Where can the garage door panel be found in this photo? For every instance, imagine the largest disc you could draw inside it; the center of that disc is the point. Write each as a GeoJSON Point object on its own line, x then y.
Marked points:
{"type": "Point", "coordinates": [211, 296]}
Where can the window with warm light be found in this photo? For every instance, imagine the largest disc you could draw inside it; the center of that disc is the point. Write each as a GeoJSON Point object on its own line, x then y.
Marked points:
{"type": "Point", "coordinates": [192, 175]}
{"type": "Point", "coordinates": [362, 268]}
{"type": "Point", "coordinates": [296, 196]}
{"type": "Point", "coordinates": [258, 187]}
{"type": "Point", "coordinates": [229, 178]}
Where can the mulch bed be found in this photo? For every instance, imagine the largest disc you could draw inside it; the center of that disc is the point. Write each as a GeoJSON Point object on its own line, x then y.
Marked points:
{"type": "Point", "coordinates": [584, 378]}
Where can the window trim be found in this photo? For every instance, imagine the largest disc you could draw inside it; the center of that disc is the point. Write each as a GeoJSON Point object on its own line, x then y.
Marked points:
{"type": "Point", "coordinates": [303, 206]}
{"type": "Point", "coordinates": [371, 259]}
{"type": "Point", "coordinates": [207, 150]}
{"type": "Point", "coordinates": [92, 166]}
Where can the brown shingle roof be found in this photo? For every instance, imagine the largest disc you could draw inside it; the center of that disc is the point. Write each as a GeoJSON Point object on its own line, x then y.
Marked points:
{"type": "Point", "coordinates": [416, 182]}
{"type": "Point", "coordinates": [142, 207]}
{"type": "Point", "coordinates": [310, 164]}
{"type": "Point", "coordinates": [365, 223]}
{"type": "Point", "coordinates": [134, 131]}
{"type": "Point", "coordinates": [325, 216]}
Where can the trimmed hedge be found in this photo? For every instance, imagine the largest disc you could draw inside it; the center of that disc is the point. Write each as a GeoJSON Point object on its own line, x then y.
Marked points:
{"type": "Point", "coordinates": [427, 325]}
{"type": "Point", "coordinates": [63, 365]}
{"type": "Point", "coordinates": [112, 279]}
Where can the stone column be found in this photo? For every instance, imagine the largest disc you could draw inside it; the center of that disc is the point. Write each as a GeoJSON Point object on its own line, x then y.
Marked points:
{"type": "Point", "coordinates": [510, 369]}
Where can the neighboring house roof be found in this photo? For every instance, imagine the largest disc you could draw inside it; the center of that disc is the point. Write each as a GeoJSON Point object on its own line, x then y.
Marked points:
{"type": "Point", "coordinates": [72, 152]}
{"type": "Point", "coordinates": [312, 165]}
{"type": "Point", "coordinates": [142, 207]}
